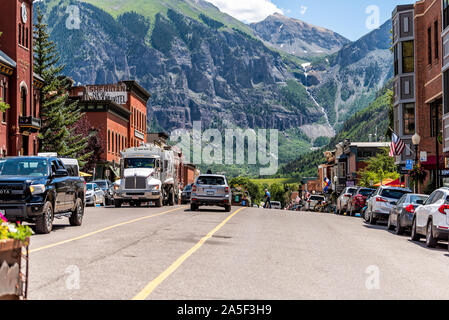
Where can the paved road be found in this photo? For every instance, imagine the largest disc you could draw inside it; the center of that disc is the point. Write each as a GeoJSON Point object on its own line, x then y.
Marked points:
{"type": "Point", "coordinates": [172, 253]}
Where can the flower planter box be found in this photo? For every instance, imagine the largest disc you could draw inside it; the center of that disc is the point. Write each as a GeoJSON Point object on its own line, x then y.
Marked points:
{"type": "Point", "coordinates": [13, 282]}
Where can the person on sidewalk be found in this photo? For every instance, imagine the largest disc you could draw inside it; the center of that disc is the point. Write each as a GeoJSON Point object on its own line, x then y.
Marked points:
{"type": "Point", "coordinates": [267, 200]}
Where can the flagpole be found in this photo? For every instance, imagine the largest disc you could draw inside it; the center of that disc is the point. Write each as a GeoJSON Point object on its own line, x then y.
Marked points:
{"type": "Point", "coordinates": [406, 145]}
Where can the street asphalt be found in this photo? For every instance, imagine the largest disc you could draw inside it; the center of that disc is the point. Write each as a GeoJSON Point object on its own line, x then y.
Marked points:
{"type": "Point", "coordinates": [173, 253]}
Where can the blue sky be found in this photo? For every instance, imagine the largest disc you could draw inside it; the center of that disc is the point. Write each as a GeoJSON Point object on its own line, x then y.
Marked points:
{"type": "Point", "coordinates": [347, 17]}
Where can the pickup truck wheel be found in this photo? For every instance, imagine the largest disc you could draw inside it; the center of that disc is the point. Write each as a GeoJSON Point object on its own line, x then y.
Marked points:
{"type": "Point", "coordinates": [193, 207]}
{"type": "Point", "coordinates": [76, 219]}
{"type": "Point", "coordinates": [228, 208]}
{"type": "Point", "coordinates": [117, 203]}
{"type": "Point", "coordinates": [44, 224]}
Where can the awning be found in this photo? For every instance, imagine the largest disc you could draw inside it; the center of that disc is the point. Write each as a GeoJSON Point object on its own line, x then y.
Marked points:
{"type": "Point", "coordinates": [391, 183]}
{"type": "Point", "coordinates": [115, 171]}
{"type": "Point", "coordinates": [83, 174]}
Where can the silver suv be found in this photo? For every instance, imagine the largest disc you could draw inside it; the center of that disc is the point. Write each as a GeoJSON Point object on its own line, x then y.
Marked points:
{"type": "Point", "coordinates": [381, 203]}
{"type": "Point", "coordinates": [211, 190]}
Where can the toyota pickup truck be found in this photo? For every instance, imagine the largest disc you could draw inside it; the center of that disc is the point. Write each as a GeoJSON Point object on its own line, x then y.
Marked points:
{"type": "Point", "coordinates": [38, 190]}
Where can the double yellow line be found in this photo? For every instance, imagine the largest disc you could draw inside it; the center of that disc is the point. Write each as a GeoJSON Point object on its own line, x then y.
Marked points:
{"type": "Point", "coordinates": [142, 295]}
{"type": "Point", "coordinates": [102, 230]}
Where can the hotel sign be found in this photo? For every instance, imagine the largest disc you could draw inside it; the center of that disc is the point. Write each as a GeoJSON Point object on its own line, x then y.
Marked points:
{"type": "Point", "coordinates": [115, 92]}
{"type": "Point", "coordinates": [139, 135]}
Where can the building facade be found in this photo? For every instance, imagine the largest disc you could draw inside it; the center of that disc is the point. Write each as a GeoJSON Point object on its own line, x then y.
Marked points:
{"type": "Point", "coordinates": [19, 85]}
{"type": "Point", "coordinates": [404, 93]}
{"type": "Point", "coordinates": [119, 113]}
{"type": "Point", "coordinates": [429, 88]}
{"type": "Point", "coordinates": [445, 72]}
{"type": "Point", "coordinates": [418, 86]}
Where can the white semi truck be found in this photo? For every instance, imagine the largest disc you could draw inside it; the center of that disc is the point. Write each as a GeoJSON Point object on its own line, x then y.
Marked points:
{"type": "Point", "coordinates": [148, 174]}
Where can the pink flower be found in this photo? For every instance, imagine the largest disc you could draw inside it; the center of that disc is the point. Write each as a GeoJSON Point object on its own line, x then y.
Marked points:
{"type": "Point", "coordinates": [2, 217]}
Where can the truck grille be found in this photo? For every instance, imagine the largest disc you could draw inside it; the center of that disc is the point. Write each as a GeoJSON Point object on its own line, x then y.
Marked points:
{"type": "Point", "coordinates": [135, 183]}
{"type": "Point", "coordinates": [12, 191]}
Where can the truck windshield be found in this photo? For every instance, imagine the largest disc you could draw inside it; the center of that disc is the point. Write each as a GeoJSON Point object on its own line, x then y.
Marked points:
{"type": "Point", "coordinates": [24, 167]}
{"type": "Point", "coordinates": [140, 163]}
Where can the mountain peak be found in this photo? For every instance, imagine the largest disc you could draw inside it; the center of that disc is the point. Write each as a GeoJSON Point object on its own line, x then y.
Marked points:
{"type": "Point", "coordinates": [298, 37]}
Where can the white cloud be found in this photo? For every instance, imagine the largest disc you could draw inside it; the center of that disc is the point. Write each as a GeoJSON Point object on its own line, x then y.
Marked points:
{"type": "Point", "coordinates": [247, 10]}
{"type": "Point", "coordinates": [303, 10]}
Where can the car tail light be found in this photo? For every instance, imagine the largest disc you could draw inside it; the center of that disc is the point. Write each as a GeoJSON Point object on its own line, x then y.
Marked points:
{"type": "Point", "coordinates": [410, 208]}
{"type": "Point", "coordinates": [380, 199]}
{"type": "Point", "coordinates": [347, 195]}
{"type": "Point", "coordinates": [227, 189]}
{"type": "Point", "coordinates": [443, 208]}
{"type": "Point", "coordinates": [194, 188]}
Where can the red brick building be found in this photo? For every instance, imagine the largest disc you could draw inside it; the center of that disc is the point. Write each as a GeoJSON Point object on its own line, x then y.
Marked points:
{"type": "Point", "coordinates": [429, 85]}
{"type": "Point", "coordinates": [418, 85]}
{"type": "Point", "coordinates": [119, 112]}
{"type": "Point", "coordinates": [19, 86]}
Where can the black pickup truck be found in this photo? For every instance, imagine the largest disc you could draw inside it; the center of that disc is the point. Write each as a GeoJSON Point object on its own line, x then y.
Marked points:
{"type": "Point", "coordinates": [38, 190]}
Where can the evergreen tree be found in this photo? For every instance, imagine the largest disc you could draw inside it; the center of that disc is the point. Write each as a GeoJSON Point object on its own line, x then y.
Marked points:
{"type": "Point", "coordinates": [59, 115]}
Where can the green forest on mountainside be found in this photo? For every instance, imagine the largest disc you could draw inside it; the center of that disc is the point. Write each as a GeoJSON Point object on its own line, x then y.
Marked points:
{"type": "Point", "coordinates": [356, 128]}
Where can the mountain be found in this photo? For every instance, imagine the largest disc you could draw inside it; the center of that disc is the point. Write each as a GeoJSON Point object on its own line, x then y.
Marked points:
{"type": "Point", "coordinates": [347, 81]}
{"type": "Point", "coordinates": [198, 63]}
{"type": "Point", "coordinates": [370, 124]}
{"type": "Point", "coordinates": [297, 37]}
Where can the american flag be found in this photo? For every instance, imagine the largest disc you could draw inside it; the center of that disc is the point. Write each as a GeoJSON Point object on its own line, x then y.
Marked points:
{"type": "Point", "coordinates": [397, 146]}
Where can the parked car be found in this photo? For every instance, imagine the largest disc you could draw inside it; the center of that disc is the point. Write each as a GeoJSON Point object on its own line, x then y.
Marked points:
{"type": "Point", "coordinates": [186, 193]}
{"type": "Point", "coordinates": [211, 190]}
{"type": "Point", "coordinates": [381, 203]}
{"type": "Point", "coordinates": [38, 190]}
{"type": "Point", "coordinates": [344, 198]}
{"type": "Point", "coordinates": [313, 201]}
{"type": "Point", "coordinates": [94, 195]}
{"type": "Point", "coordinates": [108, 190]}
{"type": "Point", "coordinates": [431, 219]}
{"type": "Point", "coordinates": [276, 205]}
{"type": "Point", "coordinates": [358, 201]}
{"type": "Point", "coordinates": [401, 215]}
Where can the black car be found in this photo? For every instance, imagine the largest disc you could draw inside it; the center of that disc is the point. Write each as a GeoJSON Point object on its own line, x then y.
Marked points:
{"type": "Point", "coordinates": [401, 215]}
{"type": "Point", "coordinates": [107, 187]}
{"type": "Point", "coordinates": [39, 189]}
{"type": "Point", "coordinates": [186, 193]}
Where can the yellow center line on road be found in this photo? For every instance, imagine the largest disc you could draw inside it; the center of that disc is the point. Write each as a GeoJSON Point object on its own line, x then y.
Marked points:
{"type": "Point", "coordinates": [142, 295]}
{"type": "Point", "coordinates": [103, 230]}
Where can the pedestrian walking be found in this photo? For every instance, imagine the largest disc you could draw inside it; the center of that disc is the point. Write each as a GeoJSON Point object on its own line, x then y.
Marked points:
{"type": "Point", "coordinates": [267, 200]}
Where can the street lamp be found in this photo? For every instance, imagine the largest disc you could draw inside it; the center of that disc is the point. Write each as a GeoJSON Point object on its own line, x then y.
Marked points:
{"type": "Point", "coordinates": [416, 139]}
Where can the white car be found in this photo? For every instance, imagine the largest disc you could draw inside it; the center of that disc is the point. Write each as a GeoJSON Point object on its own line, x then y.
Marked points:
{"type": "Point", "coordinates": [313, 201]}
{"type": "Point", "coordinates": [382, 202]}
{"type": "Point", "coordinates": [276, 205]}
{"type": "Point", "coordinates": [94, 195]}
{"type": "Point", "coordinates": [343, 199]}
{"type": "Point", "coordinates": [431, 219]}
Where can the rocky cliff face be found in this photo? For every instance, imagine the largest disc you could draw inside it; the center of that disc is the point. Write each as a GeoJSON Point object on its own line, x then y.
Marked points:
{"type": "Point", "coordinates": [195, 69]}
{"type": "Point", "coordinates": [347, 81]}
{"type": "Point", "coordinates": [297, 37]}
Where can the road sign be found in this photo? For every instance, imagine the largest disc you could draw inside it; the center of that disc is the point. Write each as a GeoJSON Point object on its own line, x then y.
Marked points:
{"type": "Point", "coordinates": [409, 165]}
